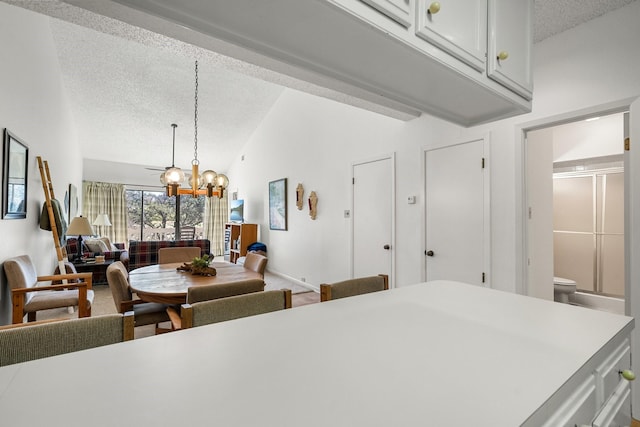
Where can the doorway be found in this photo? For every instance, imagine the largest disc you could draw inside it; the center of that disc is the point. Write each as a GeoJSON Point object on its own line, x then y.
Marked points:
{"type": "Point", "coordinates": [575, 204]}
{"type": "Point", "coordinates": [373, 216]}
{"type": "Point", "coordinates": [457, 207]}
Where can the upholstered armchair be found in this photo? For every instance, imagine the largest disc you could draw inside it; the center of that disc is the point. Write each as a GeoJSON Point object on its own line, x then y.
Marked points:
{"type": "Point", "coordinates": [28, 298]}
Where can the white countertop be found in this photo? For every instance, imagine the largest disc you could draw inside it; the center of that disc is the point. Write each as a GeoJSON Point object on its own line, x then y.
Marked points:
{"type": "Point", "coordinates": [435, 354]}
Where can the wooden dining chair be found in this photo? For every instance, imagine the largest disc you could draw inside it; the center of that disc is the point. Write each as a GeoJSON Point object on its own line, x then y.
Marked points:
{"type": "Point", "coordinates": [145, 313]}
{"type": "Point", "coordinates": [40, 339]}
{"type": "Point", "coordinates": [178, 254]}
{"type": "Point", "coordinates": [223, 309]}
{"type": "Point", "coordinates": [256, 262]}
{"type": "Point", "coordinates": [29, 298]}
{"type": "Point", "coordinates": [352, 287]}
{"type": "Point", "coordinates": [210, 292]}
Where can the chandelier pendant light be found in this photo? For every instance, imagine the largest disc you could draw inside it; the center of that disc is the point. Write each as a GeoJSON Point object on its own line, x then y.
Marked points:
{"type": "Point", "coordinates": [209, 183]}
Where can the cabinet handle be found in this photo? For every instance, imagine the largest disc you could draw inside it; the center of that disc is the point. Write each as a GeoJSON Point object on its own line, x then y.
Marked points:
{"type": "Point", "coordinates": [628, 374]}
{"type": "Point", "coordinates": [434, 8]}
{"type": "Point", "coordinates": [503, 55]}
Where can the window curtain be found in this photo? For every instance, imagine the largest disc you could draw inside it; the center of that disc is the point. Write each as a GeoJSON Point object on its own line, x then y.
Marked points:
{"type": "Point", "coordinates": [106, 198]}
{"type": "Point", "coordinates": [216, 215]}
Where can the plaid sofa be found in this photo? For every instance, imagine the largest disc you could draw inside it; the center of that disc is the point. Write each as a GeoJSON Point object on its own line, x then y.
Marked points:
{"type": "Point", "coordinates": [143, 253]}
{"type": "Point", "coordinates": [119, 255]}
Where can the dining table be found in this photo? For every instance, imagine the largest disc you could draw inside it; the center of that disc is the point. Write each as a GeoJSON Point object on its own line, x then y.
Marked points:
{"type": "Point", "coordinates": [438, 353]}
{"type": "Point", "coordinates": [164, 283]}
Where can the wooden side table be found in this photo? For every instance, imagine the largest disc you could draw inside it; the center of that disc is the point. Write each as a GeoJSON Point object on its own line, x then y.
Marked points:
{"type": "Point", "coordinates": [99, 270]}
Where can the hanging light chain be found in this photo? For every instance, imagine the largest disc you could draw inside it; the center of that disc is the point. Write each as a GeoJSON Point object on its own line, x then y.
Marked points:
{"type": "Point", "coordinates": [195, 143]}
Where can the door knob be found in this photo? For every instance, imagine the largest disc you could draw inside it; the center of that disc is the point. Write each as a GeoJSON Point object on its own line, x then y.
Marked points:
{"type": "Point", "coordinates": [387, 247]}
{"type": "Point", "coordinates": [429, 253]}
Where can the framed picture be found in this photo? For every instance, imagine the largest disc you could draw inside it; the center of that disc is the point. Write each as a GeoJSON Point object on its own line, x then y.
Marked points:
{"type": "Point", "coordinates": [14, 177]}
{"type": "Point", "coordinates": [72, 203]}
{"type": "Point", "coordinates": [278, 204]}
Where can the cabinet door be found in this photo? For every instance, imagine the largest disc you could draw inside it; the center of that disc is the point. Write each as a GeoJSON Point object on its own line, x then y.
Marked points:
{"type": "Point", "coordinates": [398, 10]}
{"type": "Point", "coordinates": [511, 33]}
{"type": "Point", "coordinates": [459, 28]}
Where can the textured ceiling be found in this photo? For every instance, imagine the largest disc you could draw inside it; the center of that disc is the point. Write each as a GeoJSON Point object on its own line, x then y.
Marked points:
{"type": "Point", "coordinates": [555, 16]}
{"type": "Point", "coordinates": [126, 86]}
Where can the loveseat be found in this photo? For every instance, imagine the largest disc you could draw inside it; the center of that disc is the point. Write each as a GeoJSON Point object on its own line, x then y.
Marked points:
{"type": "Point", "coordinates": [117, 252]}
{"type": "Point", "coordinates": [143, 253]}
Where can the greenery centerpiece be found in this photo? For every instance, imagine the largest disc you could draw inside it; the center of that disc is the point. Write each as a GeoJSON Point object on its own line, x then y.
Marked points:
{"type": "Point", "coordinates": [199, 266]}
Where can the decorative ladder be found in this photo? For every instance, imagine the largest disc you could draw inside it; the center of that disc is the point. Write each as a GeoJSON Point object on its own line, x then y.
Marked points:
{"type": "Point", "coordinates": [47, 186]}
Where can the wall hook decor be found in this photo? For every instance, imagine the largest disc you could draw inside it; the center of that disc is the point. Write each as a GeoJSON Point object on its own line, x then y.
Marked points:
{"type": "Point", "coordinates": [313, 205]}
{"type": "Point", "coordinates": [299, 196]}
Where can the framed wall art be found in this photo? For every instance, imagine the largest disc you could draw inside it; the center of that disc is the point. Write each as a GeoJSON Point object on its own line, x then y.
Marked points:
{"type": "Point", "coordinates": [278, 204]}
{"type": "Point", "coordinates": [14, 177]}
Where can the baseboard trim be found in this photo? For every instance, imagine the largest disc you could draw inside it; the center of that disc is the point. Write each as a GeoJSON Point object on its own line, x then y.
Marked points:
{"type": "Point", "coordinates": [296, 281]}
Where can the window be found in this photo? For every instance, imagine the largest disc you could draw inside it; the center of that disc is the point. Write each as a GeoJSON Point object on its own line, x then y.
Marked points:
{"type": "Point", "coordinates": [152, 214]}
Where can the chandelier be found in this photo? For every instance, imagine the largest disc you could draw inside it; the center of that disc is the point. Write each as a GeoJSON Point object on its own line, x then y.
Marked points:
{"type": "Point", "coordinates": [208, 184]}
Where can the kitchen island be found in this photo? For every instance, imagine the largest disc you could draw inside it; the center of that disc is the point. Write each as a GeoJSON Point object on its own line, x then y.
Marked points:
{"type": "Point", "coordinates": [433, 354]}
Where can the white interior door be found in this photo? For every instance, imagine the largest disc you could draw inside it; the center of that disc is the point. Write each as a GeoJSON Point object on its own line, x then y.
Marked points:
{"type": "Point", "coordinates": [373, 184]}
{"type": "Point", "coordinates": [457, 213]}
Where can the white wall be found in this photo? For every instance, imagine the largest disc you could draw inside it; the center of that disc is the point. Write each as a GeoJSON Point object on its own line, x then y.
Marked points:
{"type": "Point", "coordinates": [314, 141]}
{"type": "Point", "coordinates": [585, 140]}
{"type": "Point", "coordinates": [34, 107]}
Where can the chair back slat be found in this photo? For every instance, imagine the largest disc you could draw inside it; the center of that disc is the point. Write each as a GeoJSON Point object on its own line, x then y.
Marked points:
{"type": "Point", "coordinates": [256, 262]}
{"type": "Point", "coordinates": [180, 254]}
{"type": "Point", "coordinates": [223, 309]}
{"type": "Point", "coordinates": [25, 342]}
{"type": "Point", "coordinates": [353, 287]}
{"type": "Point", "coordinates": [118, 280]}
{"type": "Point", "coordinates": [223, 290]}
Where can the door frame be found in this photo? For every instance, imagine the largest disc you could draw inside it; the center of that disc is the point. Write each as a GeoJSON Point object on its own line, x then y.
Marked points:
{"type": "Point", "coordinates": [521, 209]}
{"type": "Point", "coordinates": [486, 150]}
{"type": "Point", "coordinates": [392, 157]}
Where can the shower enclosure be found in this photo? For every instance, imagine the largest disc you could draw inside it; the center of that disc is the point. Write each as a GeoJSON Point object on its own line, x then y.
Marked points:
{"type": "Point", "coordinates": [588, 229]}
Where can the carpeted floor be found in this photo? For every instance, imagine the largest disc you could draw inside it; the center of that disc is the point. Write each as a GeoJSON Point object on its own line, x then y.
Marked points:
{"type": "Point", "coordinates": [103, 302]}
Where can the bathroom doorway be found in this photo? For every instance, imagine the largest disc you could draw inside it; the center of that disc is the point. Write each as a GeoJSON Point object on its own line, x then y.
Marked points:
{"type": "Point", "coordinates": [575, 196]}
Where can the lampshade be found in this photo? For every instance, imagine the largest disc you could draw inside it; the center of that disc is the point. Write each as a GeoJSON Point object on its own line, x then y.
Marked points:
{"type": "Point", "coordinates": [103, 220]}
{"type": "Point", "coordinates": [80, 226]}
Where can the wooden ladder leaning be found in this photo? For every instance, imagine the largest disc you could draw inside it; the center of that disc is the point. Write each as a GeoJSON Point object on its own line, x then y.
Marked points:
{"type": "Point", "coordinates": [47, 186]}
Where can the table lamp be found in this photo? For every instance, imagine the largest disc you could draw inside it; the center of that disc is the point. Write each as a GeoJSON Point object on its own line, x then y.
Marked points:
{"type": "Point", "coordinates": [80, 226]}
{"type": "Point", "coordinates": [102, 220]}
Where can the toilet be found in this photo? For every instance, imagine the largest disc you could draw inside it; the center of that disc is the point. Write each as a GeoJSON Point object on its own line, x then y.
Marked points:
{"type": "Point", "coordinates": [562, 288]}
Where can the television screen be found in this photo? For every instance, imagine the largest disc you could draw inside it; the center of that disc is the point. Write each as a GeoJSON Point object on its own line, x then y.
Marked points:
{"type": "Point", "coordinates": [237, 211]}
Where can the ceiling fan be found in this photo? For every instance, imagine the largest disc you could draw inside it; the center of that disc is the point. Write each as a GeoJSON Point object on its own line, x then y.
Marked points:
{"type": "Point", "coordinates": [173, 154]}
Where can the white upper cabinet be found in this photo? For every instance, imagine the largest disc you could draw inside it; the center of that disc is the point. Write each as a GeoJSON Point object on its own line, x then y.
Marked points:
{"type": "Point", "coordinates": [510, 44]}
{"type": "Point", "coordinates": [400, 11]}
{"type": "Point", "coordinates": [398, 57]}
{"type": "Point", "coordinates": [458, 27]}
